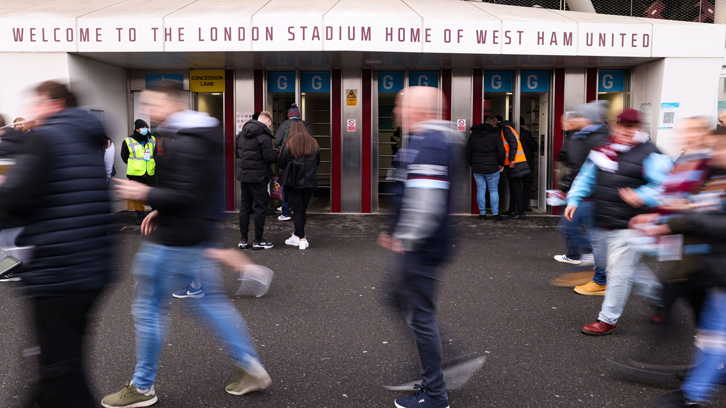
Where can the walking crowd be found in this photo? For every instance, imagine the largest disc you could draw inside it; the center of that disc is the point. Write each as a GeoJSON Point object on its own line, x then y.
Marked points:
{"type": "Point", "coordinates": [626, 201]}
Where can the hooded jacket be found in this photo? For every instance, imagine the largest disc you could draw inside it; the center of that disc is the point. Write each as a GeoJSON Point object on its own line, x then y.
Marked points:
{"type": "Point", "coordinates": [299, 173]}
{"type": "Point", "coordinates": [189, 195]}
{"type": "Point", "coordinates": [59, 185]}
{"type": "Point", "coordinates": [485, 149]}
{"type": "Point", "coordinates": [254, 153]}
{"type": "Point", "coordinates": [283, 132]}
{"type": "Point", "coordinates": [576, 147]}
{"type": "Point", "coordinates": [11, 141]}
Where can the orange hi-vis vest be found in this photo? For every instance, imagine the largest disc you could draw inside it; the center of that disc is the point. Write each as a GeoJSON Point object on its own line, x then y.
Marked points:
{"type": "Point", "coordinates": [519, 157]}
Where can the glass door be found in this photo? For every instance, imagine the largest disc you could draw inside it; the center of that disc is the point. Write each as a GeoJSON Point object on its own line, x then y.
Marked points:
{"type": "Point", "coordinates": [390, 135]}
{"type": "Point", "coordinates": [315, 109]}
{"type": "Point", "coordinates": [612, 86]}
{"type": "Point", "coordinates": [533, 117]}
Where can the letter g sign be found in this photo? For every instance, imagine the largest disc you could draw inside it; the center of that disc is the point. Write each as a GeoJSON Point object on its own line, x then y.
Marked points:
{"type": "Point", "coordinates": [317, 82]}
{"type": "Point", "coordinates": [607, 81]}
{"type": "Point", "coordinates": [532, 82]}
{"type": "Point", "coordinates": [282, 83]}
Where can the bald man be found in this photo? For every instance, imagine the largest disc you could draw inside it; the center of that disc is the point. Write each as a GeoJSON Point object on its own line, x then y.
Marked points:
{"type": "Point", "coordinates": [420, 234]}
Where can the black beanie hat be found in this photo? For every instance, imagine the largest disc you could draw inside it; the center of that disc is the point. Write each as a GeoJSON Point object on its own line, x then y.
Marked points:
{"type": "Point", "coordinates": [140, 124]}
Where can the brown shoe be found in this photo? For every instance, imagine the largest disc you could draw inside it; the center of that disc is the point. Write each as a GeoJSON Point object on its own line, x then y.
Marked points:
{"type": "Point", "coordinates": [598, 328]}
{"type": "Point", "coordinates": [570, 280]}
{"type": "Point", "coordinates": [591, 289]}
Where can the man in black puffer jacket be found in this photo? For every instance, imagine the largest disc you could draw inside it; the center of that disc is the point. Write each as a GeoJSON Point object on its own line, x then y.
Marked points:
{"type": "Point", "coordinates": [254, 154]}
{"type": "Point", "coordinates": [58, 186]}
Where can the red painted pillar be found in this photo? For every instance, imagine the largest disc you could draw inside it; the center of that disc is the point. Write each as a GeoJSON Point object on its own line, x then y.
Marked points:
{"type": "Point", "coordinates": [559, 110]}
{"type": "Point", "coordinates": [336, 142]}
{"type": "Point", "coordinates": [591, 92]}
{"type": "Point", "coordinates": [476, 115]}
{"type": "Point", "coordinates": [366, 142]}
{"type": "Point", "coordinates": [446, 88]}
{"type": "Point", "coordinates": [259, 91]}
{"type": "Point", "coordinates": [229, 133]}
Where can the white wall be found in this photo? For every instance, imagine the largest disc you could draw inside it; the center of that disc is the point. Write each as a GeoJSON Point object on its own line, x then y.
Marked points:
{"type": "Point", "coordinates": [20, 71]}
{"type": "Point", "coordinates": [692, 82]}
{"type": "Point", "coordinates": [103, 87]}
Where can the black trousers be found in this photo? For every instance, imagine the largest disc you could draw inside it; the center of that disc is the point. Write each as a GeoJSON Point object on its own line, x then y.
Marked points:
{"type": "Point", "coordinates": [254, 196]}
{"type": "Point", "coordinates": [299, 201]}
{"type": "Point", "coordinates": [412, 293]}
{"type": "Point", "coordinates": [60, 324]}
{"type": "Point", "coordinates": [526, 190]}
{"type": "Point", "coordinates": [516, 196]}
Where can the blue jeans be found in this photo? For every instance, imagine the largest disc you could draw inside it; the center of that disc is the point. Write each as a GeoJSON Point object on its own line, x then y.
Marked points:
{"type": "Point", "coordinates": [486, 182]}
{"type": "Point", "coordinates": [625, 271]}
{"type": "Point", "coordinates": [577, 231]}
{"type": "Point", "coordinates": [706, 375]}
{"type": "Point", "coordinates": [159, 270]}
{"type": "Point", "coordinates": [285, 204]}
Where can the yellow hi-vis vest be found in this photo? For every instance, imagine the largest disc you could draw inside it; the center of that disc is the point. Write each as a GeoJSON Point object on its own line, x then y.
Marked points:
{"type": "Point", "coordinates": [141, 159]}
{"type": "Point", "coordinates": [519, 157]}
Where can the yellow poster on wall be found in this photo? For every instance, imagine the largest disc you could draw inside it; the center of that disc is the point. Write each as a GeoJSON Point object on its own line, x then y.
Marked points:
{"type": "Point", "coordinates": [206, 80]}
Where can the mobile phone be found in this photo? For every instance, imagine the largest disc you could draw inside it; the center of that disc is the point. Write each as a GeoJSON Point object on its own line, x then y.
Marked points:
{"type": "Point", "coordinates": [8, 263]}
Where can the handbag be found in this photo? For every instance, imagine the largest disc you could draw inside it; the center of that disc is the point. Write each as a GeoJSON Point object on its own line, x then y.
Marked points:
{"type": "Point", "coordinates": [275, 189]}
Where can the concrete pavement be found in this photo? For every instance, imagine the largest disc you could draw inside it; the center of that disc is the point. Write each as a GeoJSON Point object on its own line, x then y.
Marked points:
{"type": "Point", "coordinates": [327, 342]}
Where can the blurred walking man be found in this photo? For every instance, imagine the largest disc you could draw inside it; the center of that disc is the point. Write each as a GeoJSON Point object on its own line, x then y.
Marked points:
{"type": "Point", "coordinates": [623, 177]}
{"type": "Point", "coordinates": [186, 202]}
{"type": "Point", "coordinates": [58, 189]}
{"type": "Point", "coordinates": [421, 234]}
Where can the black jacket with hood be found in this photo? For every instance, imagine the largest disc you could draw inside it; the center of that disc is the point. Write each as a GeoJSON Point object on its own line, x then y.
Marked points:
{"type": "Point", "coordinates": [485, 149]}
{"type": "Point", "coordinates": [283, 132]}
{"type": "Point", "coordinates": [299, 173]}
{"type": "Point", "coordinates": [188, 197]}
{"type": "Point", "coordinates": [254, 153]}
{"type": "Point", "coordinates": [577, 147]}
{"type": "Point", "coordinates": [58, 186]}
{"type": "Point", "coordinates": [12, 141]}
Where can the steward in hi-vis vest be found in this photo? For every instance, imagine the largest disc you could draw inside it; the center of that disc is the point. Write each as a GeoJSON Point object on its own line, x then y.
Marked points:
{"type": "Point", "coordinates": [516, 169]}
{"type": "Point", "coordinates": [519, 157]}
{"type": "Point", "coordinates": [139, 153]}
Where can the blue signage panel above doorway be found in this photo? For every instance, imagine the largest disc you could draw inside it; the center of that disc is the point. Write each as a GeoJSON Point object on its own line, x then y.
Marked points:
{"type": "Point", "coordinates": [498, 81]}
{"type": "Point", "coordinates": [390, 81]}
{"type": "Point", "coordinates": [535, 81]}
{"type": "Point", "coordinates": [611, 80]}
{"type": "Point", "coordinates": [423, 78]}
{"type": "Point", "coordinates": [154, 80]}
{"type": "Point", "coordinates": [281, 81]}
{"type": "Point", "coordinates": [315, 81]}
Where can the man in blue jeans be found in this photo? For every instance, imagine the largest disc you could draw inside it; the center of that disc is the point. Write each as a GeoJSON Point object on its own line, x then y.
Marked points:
{"type": "Point", "coordinates": [180, 232]}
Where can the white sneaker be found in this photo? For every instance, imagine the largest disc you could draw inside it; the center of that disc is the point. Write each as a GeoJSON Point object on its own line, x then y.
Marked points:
{"type": "Point", "coordinates": [565, 259]}
{"type": "Point", "coordinates": [294, 240]}
{"type": "Point", "coordinates": [304, 243]}
{"type": "Point", "coordinates": [283, 218]}
{"type": "Point", "coordinates": [587, 259]}
{"type": "Point", "coordinates": [279, 208]}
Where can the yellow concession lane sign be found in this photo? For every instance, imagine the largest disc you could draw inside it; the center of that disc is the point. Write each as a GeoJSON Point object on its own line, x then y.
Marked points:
{"type": "Point", "coordinates": [206, 80]}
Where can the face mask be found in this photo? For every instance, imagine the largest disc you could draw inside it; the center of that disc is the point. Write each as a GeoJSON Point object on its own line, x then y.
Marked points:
{"type": "Point", "coordinates": [144, 131]}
